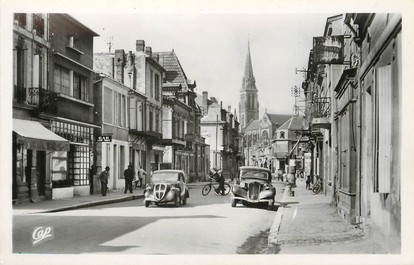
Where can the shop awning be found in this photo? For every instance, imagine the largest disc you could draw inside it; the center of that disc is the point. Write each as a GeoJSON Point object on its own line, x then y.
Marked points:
{"type": "Point", "coordinates": [35, 136]}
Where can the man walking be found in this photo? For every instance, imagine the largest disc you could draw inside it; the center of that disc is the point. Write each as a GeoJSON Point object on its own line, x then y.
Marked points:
{"type": "Point", "coordinates": [104, 180]}
{"type": "Point", "coordinates": [129, 177]}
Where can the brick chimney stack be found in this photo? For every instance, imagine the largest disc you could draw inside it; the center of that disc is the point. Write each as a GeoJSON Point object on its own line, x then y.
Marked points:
{"type": "Point", "coordinates": [140, 46]}
{"type": "Point", "coordinates": [204, 104]}
{"type": "Point", "coordinates": [119, 65]}
{"type": "Point", "coordinates": [148, 51]}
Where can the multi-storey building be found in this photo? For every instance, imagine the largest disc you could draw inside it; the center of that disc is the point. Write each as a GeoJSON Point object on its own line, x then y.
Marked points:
{"type": "Point", "coordinates": [220, 128]}
{"type": "Point", "coordinates": [185, 148]}
{"type": "Point", "coordinates": [136, 107]}
{"type": "Point", "coordinates": [52, 87]}
{"type": "Point", "coordinates": [353, 104]}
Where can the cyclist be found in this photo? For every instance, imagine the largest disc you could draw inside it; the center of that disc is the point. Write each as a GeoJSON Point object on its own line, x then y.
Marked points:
{"type": "Point", "coordinates": [217, 175]}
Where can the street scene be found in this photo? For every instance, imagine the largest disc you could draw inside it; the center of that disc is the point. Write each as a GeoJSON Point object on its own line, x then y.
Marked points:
{"type": "Point", "coordinates": [206, 134]}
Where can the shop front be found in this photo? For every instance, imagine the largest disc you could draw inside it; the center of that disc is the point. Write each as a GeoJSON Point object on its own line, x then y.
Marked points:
{"type": "Point", "coordinates": [38, 156]}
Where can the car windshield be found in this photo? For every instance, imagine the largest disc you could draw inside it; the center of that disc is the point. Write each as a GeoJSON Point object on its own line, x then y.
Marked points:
{"type": "Point", "coordinates": [169, 177]}
{"type": "Point", "coordinates": [254, 174]}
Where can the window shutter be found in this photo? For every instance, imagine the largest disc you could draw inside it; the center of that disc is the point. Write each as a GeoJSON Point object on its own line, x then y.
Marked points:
{"type": "Point", "coordinates": [384, 88]}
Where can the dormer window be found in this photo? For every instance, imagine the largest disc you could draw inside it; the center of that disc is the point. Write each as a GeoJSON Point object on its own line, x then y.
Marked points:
{"type": "Point", "coordinates": [282, 135]}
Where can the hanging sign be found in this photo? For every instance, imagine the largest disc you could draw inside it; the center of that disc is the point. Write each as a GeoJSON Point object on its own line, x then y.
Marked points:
{"type": "Point", "coordinates": [328, 50]}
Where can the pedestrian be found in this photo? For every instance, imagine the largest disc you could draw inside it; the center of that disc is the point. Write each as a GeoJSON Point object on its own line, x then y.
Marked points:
{"type": "Point", "coordinates": [129, 177]}
{"type": "Point", "coordinates": [103, 177]}
{"type": "Point", "coordinates": [141, 174]}
{"type": "Point", "coordinates": [308, 181]}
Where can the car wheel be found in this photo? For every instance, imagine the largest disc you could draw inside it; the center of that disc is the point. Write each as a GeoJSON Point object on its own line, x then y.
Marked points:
{"type": "Point", "coordinates": [177, 202]}
{"type": "Point", "coordinates": [233, 203]}
{"type": "Point", "coordinates": [147, 204]}
{"type": "Point", "coordinates": [270, 206]}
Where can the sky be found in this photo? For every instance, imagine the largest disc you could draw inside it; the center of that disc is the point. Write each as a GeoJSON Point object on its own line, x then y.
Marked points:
{"type": "Point", "coordinates": [212, 48]}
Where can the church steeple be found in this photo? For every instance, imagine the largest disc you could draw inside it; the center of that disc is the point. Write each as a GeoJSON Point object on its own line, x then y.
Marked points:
{"type": "Point", "coordinates": [249, 103]}
{"type": "Point", "coordinates": [249, 82]}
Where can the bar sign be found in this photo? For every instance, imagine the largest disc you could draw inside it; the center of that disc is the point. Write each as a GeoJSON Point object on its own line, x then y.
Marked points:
{"type": "Point", "coordinates": [101, 138]}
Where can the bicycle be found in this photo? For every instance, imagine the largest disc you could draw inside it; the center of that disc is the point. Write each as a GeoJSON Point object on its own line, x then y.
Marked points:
{"type": "Point", "coordinates": [207, 188]}
{"type": "Point", "coordinates": [318, 185]}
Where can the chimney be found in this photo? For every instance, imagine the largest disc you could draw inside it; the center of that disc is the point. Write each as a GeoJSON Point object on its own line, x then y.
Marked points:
{"type": "Point", "coordinates": [119, 65]}
{"type": "Point", "coordinates": [204, 104]}
{"type": "Point", "coordinates": [156, 57]}
{"type": "Point", "coordinates": [140, 45]}
{"type": "Point", "coordinates": [148, 51]}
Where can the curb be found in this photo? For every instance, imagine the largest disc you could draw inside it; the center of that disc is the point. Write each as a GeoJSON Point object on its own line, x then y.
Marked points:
{"type": "Point", "coordinates": [274, 230]}
{"type": "Point", "coordinates": [93, 203]}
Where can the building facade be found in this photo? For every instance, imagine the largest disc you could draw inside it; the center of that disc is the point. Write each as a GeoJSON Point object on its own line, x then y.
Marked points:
{"type": "Point", "coordinates": [136, 114]}
{"type": "Point", "coordinates": [354, 110]}
{"type": "Point", "coordinates": [52, 88]}
{"type": "Point", "coordinates": [220, 128]}
{"type": "Point", "coordinates": [176, 87]}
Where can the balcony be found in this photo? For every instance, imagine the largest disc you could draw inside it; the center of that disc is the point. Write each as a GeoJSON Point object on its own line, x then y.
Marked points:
{"type": "Point", "coordinates": [321, 112]}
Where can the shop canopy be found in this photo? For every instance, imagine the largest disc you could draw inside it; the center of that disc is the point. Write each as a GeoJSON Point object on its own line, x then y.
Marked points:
{"type": "Point", "coordinates": [33, 135]}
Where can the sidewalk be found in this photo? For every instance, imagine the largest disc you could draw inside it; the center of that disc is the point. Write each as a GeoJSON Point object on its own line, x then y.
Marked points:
{"type": "Point", "coordinates": [308, 219]}
{"type": "Point", "coordinates": [77, 202]}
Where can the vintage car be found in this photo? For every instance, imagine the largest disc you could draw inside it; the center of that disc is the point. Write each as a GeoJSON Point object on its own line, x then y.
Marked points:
{"type": "Point", "coordinates": [166, 186]}
{"type": "Point", "coordinates": [254, 186]}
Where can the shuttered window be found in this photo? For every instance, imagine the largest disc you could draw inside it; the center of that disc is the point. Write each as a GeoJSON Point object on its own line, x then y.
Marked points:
{"type": "Point", "coordinates": [383, 128]}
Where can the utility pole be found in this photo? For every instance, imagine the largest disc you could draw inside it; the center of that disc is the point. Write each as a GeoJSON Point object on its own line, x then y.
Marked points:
{"type": "Point", "coordinates": [216, 140]}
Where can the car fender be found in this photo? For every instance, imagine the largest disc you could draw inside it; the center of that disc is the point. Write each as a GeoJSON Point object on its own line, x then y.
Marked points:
{"type": "Point", "coordinates": [238, 191]}
{"type": "Point", "coordinates": [267, 194]}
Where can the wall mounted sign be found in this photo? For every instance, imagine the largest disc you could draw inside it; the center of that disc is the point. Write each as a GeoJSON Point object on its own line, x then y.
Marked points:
{"type": "Point", "coordinates": [102, 138]}
{"type": "Point", "coordinates": [328, 50]}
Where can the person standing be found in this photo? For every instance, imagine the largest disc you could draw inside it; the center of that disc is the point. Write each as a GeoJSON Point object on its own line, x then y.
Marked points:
{"type": "Point", "coordinates": [104, 180]}
{"type": "Point", "coordinates": [141, 174]}
{"type": "Point", "coordinates": [129, 177]}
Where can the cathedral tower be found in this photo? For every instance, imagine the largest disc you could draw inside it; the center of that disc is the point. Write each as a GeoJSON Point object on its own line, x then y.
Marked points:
{"type": "Point", "coordinates": [249, 102]}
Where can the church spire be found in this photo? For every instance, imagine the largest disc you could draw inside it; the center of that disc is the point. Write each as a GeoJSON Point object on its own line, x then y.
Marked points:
{"type": "Point", "coordinates": [249, 82]}
{"type": "Point", "coordinates": [248, 68]}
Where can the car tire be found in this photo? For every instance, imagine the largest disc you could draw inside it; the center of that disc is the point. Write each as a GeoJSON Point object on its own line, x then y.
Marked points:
{"type": "Point", "coordinates": [185, 199]}
{"type": "Point", "coordinates": [177, 202]}
{"type": "Point", "coordinates": [147, 204]}
{"type": "Point", "coordinates": [233, 203]}
{"type": "Point", "coordinates": [270, 206]}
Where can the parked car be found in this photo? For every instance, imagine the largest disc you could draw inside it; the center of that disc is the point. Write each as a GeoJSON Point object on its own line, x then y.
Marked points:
{"type": "Point", "coordinates": [166, 186]}
{"type": "Point", "coordinates": [254, 186]}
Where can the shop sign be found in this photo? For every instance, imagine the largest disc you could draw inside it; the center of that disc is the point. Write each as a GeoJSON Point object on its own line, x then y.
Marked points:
{"type": "Point", "coordinates": [328, 50]}
{"type": "Point", "coordinates": [102, 138]}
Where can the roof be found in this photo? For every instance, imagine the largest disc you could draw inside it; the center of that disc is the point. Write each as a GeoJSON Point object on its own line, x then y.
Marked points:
{"type": "Point", "coordinates": [253, 125]}
{"type": "Point", "coordinates": [256, 168]}
{"type": "Point", "coordinates": [278, 119]}
{"type": "Point", "coordinates": [294, 123]}
{"type": "Point", "coordinates": [174, 72]}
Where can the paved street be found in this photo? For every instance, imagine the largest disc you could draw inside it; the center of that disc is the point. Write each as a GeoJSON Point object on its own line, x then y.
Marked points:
{"type": "Point", "coordinates": [206, 225]}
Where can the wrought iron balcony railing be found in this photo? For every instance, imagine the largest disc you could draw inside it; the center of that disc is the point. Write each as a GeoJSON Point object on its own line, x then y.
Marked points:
{"type": "Point", "coordinates": [321, 107]}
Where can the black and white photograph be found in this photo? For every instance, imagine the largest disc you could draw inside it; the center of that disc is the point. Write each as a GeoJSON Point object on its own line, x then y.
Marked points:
{"type": "Point", "coordinates": [221, 132]}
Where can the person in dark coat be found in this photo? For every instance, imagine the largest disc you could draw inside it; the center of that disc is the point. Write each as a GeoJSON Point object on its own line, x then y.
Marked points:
{"type": "Point", "coordinates": [104, 180]}
{"type": "Point", "coordinates": [308, 181]}
{"type": "Point", "coordinates": [129, 177]}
